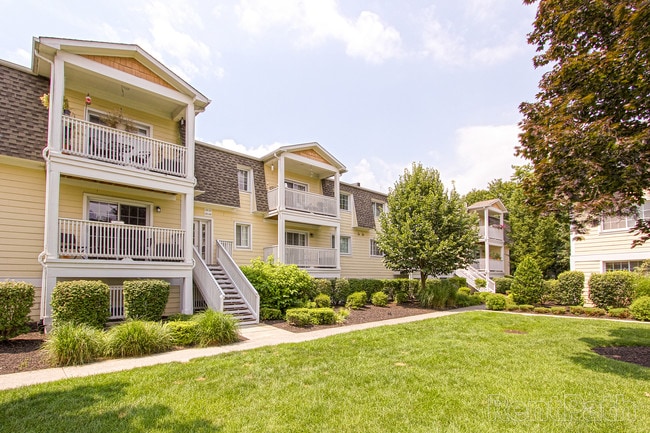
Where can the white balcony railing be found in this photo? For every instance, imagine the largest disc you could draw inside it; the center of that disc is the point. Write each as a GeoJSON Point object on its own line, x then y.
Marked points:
{"type": "Point", "coordinates": [305, 257]}
{"type": "Point", "coordinates": [304, 201]}
{"type": "Point", "coordinates": [93, 141]}
{"type": "Point", "coordinates": [495, 265]}
{"type": "Point", "coordinates": [82, 239]}
{"type": "Point", "coordinates": [496, 233]}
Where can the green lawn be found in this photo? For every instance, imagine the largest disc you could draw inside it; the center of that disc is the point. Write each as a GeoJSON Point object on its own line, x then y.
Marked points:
{"type": "Point", "coordinates": [456, 373]}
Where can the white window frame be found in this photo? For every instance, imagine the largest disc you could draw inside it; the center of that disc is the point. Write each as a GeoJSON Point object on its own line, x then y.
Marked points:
{"type": "Point", "coordinates": [376, 205]}
{"type": "Point", "coordinates": [116, 200]}
{"type": "Point", "coordinates": [375, 252]}
{"type": "Point", "coordinates": [247, 179]}
{"type": "Point", "coordinates": [300, 234]}
{"type": "Point", "coordinates": [349, 250]}
{"type": "Point", "coordinates": [239, 246]}
{"type": "Point", "coordinates": [142, 127]}
{"type": "Point", "coordinates": [291, 184]}
{"type": "Point", "coordinates": [642, 212]}
{"type": "Point", "coordinates": [617, 265]}
{"type": "Point", "coordinates": [347, 202]}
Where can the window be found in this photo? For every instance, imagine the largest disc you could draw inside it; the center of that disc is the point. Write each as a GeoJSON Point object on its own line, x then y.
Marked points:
{"type": "Point", "coordinates": [344, 202]}
{"type": "Point", "coordinates": [295, 185]}
{"type": "Point", "coordinates": [374, 249]}
{"type": "Point", "coordinates": [242, 235]}
{"type": "Point", "coordinates": [345, 245]}
{"type": "Point", "coordinates": [629, 265]}
{"type": "Point", "coordinates": [298, 239]}
{"type": "Point", "coordinates": [377, 208]}
{"type": "Point", "coordinates": [626, 222]}
{"type": "Point", "coordinates": [243, 179]}
{"type": "Point", "coordinates": [107, 211]}
{"type": "Point", "coordinates": [114, 120]}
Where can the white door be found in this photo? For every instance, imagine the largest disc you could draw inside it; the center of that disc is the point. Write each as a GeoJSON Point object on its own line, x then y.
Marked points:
{"type": "Point", "coordinates": [203, 238]}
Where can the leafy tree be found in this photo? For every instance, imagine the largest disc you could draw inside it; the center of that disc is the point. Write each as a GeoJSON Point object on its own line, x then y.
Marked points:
{"type": "Point", "coordinates": [426, 228]}
{"type": "Point", "coordinates": [588, 132]}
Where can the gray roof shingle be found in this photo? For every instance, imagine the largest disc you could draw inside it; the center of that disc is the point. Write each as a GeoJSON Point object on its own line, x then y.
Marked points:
{"type": "Point", "coordinates": [362, 201]}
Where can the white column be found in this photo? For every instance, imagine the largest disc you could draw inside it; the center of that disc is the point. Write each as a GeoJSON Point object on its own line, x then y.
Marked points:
{"type": "Point", "coordinates": [486, 216]}
{"type": "Point", "coordinates": [337, 244]}
{"type": "Point", "coordinates": [281, 230]}
{"type": "Point", "coordinates": [57, 90]}
{"type": "Point", "coordinates": [46, 299]}
{"type": "Point", "coordinates": [189, 140]}
{"type": "Point", "coordinates": [281, 193]}
{"type": "Point", "coordinates": [51, 228]}
{"type": "Point", "coordinates": [187, 223]}
{"type": "Point", "coordinates": [337, 194]}
{"type": "Point", "coordinates": [187, 300]}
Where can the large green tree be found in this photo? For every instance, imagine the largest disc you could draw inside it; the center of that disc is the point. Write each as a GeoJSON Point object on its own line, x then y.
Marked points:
{"type": "Point", "coordinates": [426, 228]}
{"type": "Point", "coordinates": [588, 132]}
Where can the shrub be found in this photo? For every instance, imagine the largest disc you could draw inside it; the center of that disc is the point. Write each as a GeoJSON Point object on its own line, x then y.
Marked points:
{"type": "Point", "coordinates": [81, 302]}
{"type": "Point", "coordinates": [342, 315]}
{"type": "Point", "coordinates": [641, 286]}
{"type": "Point", "coordinates": [438, 294]}
{"type": "Point", "coordinates": [611, 289]}
{"type": "Point", "coordinates": [145, 299]}
{"type": "Point", "coordinates": [380, 299]}
{"type": "Point", "coordinates": [542, 310]}
{"type": "Point", "coordinates": [526, 307]}
{"type": "Point", "coordinates": [570, 285]}
{"type": "Point", "coordinates": [464, 300]}
{"type": "Point", "coordinates": [464, 290]}
{"type": "Point", "coordinates": [502, 285]}
{"type": "Point", "coordinates": [549, 292]}
{"type": "Point", "coordinates": [322, 300]}
{"type": "Point", "coordinates": [70, 344]}
{"type": "Point", "coordinates": [356, 300]}
{"type": "Point", "coordinates": [558, 311]}
{"type": "Point", "coordinates": [280, 286]}
{"type": "Point", "coordinates": [137, 338]}
{"type": "Point", "coordinates": [577, 310]}
{"type": "Point", "coordinates": [527, 287]}
{"type": "Point", "coordinates": [215, 328]}
{"type": "Point", "coordinates": [512, 307]}
{"type": "Point", "coordinates": [16, 299]}
{"type": "Point", "coordinates": [322, 316]}
{"type": "Point", "coordinates": [183, 333]}
{"type": "Point", "coordinates": [341, 291]}
{"type": "Point", "coordinates": [270, 314]}
{"type": "Point", "coordinates": [595, 311]}
{"type": "Point", "coordinates": [640, 309]}
{"type": "Point", "coordinates": [298, 317]}
{"type": "Point", "coordinates": [323, 285]}
{"type": "Point", "coordinates": [620, 313]}
{"type": "Point", "coordinates": [179, 317]}
{"type": "Point", "coordinates": [495, 302]}
{"type": "Point", "coordinates": [480, 283]}
{"type": "Point", "coordinates": [484, 295]}
{"type": "Point", "coordinates": [401, 297]}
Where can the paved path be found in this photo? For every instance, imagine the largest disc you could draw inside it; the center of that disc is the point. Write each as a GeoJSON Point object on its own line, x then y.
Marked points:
{"type": "Point", "coordinates": [256, 336]}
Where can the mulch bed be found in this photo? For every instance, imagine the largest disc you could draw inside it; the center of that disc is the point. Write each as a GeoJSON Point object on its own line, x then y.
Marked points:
{"type": "Point", "coordinates": [23, 353]}
{"type": "Point", "coordinates": [635, 354]}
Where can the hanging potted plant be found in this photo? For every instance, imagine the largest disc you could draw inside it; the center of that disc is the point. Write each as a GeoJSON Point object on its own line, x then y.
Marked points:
{"type": "Point", "coordinates": [45, 101]}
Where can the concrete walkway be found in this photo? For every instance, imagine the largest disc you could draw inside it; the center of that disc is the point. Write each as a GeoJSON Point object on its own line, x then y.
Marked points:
{"type": "Point", "coordinates": [256, 335]}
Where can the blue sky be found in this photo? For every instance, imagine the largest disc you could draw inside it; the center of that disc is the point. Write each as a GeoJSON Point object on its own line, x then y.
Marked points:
{"type": "Point", "coordinates": [380, 84]}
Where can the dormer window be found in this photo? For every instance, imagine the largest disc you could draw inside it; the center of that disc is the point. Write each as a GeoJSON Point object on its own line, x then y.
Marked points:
{"type": "Point", "coordinates": [377, 208]}
{"type": "Point", "coordinates": [243, 180]}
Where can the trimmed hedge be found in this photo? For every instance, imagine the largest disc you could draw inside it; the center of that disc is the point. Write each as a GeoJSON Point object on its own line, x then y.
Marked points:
{"type": "Point", "coordinates": [311, 316]}
{"type": "Point", "coordinates": [16, 299]}
{"type": "Point", "coordinates": [145, 299]}
{"type": "Point", "coordinates": [611, 289]}
{"type": "Point", "coordinates": [640, 309]}
{"type": "Point", "coordinates": [496, 302]}
{"type": "Point", "coordinates": [502, 285]}
{"type": "Point", "coordinates": [81, 302]}
{"type": "Point", "coordinates": [270, 314]}
{"type": "Point", "coordinates": [322, 300]}
{"type": "Point", "coordinates": [527, 286]}
{"type": "Point", "coordinates": [570, 285]}
{"type": "Point", "coordinates": [641, 286]}
{"type": "Point", "coordinates": [183, 333]}
{"type": "Point", "coordinates": [357, 300]}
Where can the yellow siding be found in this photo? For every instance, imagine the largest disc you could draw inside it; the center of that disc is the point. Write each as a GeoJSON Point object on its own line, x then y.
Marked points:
{"type": "Point", "coordinates": [271, 176]}
{"type": "Point", "coordinates": [21, 221]}
{"type": "Point", "coordinates": [35, 311]}
{"type": "Point", "coordinates": [174, 302]}
{"type": "Point", "coordinates": [164, 129]}
{"type": "Point", "coordinates": [314, 185]}
{"type": "Point", "coordinates": [608, 242]}
{"type": "Point", "coordinates": [71, 203]}
{"type": "Point", "coordinates": [130, 66]}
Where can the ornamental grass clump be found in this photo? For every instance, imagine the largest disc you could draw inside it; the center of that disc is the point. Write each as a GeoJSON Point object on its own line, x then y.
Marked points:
{"type": "Point", "coordinates": [70, 344]}
{"type": "Point", "coordinates": [137, 338]}
{"type": "Point", "coordinates": [215, 328]}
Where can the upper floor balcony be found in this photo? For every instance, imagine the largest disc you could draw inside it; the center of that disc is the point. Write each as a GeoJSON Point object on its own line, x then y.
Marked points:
{"type": "Point", "coordinates": [303, 201]}
{"type": "Point", "coordinates": [114, 146]}
{"type": "Point", "coordinates": [494, 232]}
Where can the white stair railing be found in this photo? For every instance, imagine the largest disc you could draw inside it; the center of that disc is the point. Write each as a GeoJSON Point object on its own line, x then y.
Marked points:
{"type": "Point", "coordinates": [244, 287]}
{"type": "Point", "coordinates": [204, 280]}
{"type": "Point", "coordinates": [471, 274]}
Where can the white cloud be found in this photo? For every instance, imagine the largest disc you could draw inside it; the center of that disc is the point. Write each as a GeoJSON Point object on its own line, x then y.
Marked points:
{"type": "Point", "coordinates": [483, 153]}
{"type": "Point", "coordinates": [316, 22]}
{"type": "Point", "coordinates": [257, 152]}
{"type": "Point", "coordinates": [375, 174]}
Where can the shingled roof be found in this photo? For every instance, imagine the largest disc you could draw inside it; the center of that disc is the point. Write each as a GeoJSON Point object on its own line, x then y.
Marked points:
{"type": "Point", "coordinates": [363, 199]}
{"type": "Point", "coordinates": [216, 174]}
{"type": "Point", "coordinates": [23, 125]}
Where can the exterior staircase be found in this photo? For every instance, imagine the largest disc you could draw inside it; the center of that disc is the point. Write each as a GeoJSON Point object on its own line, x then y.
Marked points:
{"type": "Point", "coordinates": [233, 302]}
{"type": "Point", "coordinates": [471, 274]}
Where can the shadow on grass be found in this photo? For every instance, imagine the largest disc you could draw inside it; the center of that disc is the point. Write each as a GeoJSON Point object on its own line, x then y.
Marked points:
{"type": "Point", "coordinates": [618, 337]}
{"type": "Point", "coordinates": [96, 408]}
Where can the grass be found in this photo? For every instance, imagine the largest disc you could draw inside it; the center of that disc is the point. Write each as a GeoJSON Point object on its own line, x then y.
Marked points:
{"type": "Point", "coordinates": [472, 372]}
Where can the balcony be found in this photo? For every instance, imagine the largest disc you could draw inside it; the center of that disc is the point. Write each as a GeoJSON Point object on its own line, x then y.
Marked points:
{"type": "Point", "coordinates": [83, 239]}
{"type": "Point", "coordinates": [304, 202]}
{"type": "Point", "coordinates": [305, 257]}
{"type": "Point", "coordinates": [98, 142]}
{"type": "Point", "coordinates": [495, 265]}
{"type": "Point", "coordinates": [494, 233]}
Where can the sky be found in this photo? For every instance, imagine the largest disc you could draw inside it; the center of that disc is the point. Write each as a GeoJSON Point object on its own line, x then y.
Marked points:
{"type": "Point", "coordinates": [379, 84]}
